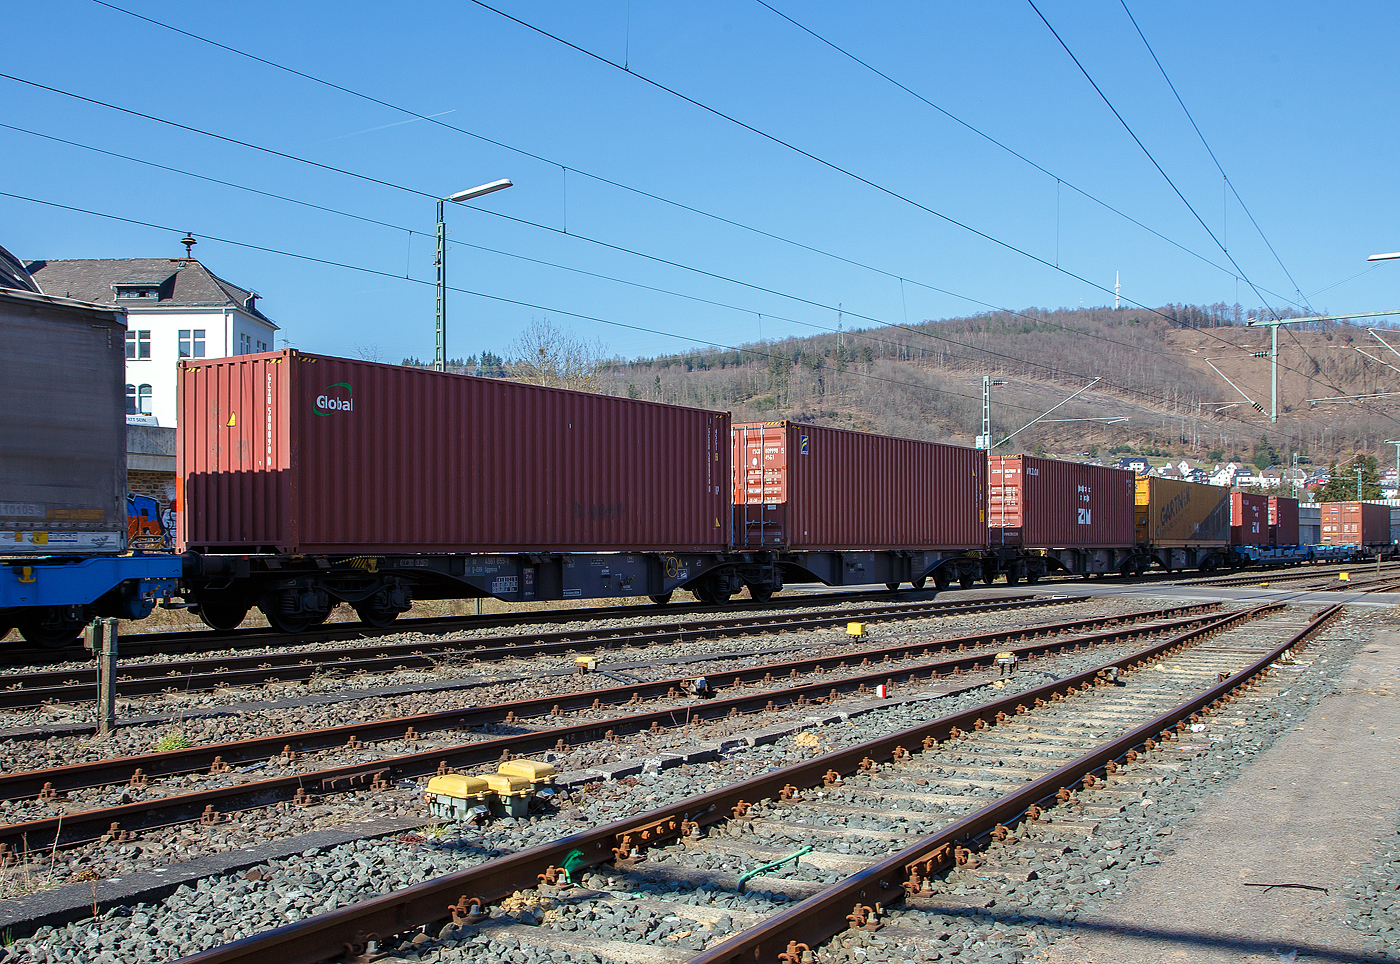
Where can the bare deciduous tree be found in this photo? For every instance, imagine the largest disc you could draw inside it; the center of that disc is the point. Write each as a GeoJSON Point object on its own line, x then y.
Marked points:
{"type": "Point", "coordinates": [547, 355]}
{"type": "Point", "coordinates": [369, 353]}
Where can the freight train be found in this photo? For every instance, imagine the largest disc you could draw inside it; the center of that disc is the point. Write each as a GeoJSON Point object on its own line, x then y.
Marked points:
{"type": "Point", "coordinates": [308, 481]}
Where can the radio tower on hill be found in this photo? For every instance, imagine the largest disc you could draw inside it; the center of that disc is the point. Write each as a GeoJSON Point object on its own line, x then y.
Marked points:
{"type": "Point", "coordinates": [1116, 289]}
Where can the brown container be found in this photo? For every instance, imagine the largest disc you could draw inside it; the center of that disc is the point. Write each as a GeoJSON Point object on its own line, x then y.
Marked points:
{"type": "Point", "coordinates": [1180, 514]}
{"type": "Point", "coordinates": [296, 453]}
{"type": "Point", "coordinates": [1283, 521]}
{"type": "Point", "coordinates": [1355, 524]}
{"type": "Point", "coordinates": [1249, 519]}
{"type": "Point", "coordinates": [805, 487]}
{"type": "Point", "coordinates": [1050, 504]}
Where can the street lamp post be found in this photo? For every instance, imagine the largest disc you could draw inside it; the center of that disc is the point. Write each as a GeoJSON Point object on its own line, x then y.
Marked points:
{"type": "Point", "coordinates": [440, 349]}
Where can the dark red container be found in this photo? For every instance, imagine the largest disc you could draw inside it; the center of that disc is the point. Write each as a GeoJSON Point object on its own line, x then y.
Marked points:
{"type": "Point", "coordinates": [1249, 519]}
{"type": "Point", "coordinates": [1355, 524]}
{"type": "Point", "coordinates": [1050, 504]}
{"type": "Point", "coordinates": [296, 453]}
{"type": "Point", "coordinates": [805, 487]}
{"type": "Point", "coordinates": [1283, 521]}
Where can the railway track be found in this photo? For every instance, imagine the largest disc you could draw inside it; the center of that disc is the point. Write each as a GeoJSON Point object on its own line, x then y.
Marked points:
{"type": "Point", "coordinates": [256, 637]}
{"type": "Point", "coordinates": [145, 679]}
{"type": "Point", "coordinates": [755, 689]}
{"type": "Point", "coordinates": [934, 794]}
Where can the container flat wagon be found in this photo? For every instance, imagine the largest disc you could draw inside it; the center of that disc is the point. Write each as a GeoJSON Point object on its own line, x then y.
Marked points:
{"type": "Point", "coordinates": [309, 480]}
{"type": "Point", "coordinates": [63, 517]}
{"type": "Point", "coordinates": [1183, 525]}
{"type": "Point", "coordinates": [1047, 515]}
{"type": "Point", "coordinates": [849, 508]}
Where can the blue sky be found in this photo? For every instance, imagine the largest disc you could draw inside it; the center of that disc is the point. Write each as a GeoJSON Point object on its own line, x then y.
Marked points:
{"type": "Point", "coordinates": [1295, 99]}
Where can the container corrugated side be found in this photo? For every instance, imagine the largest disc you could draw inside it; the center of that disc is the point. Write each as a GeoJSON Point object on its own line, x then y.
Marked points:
{"type": "Point", "coordinates": [1173, 513]}
{"type": "Point", "coordinates": [1355, 524]}
{"type": "Point", "coordinates": [1053, 504]}
{"type": "Point", "coordinates": [1283, 521]}
{"type": "Point", "coordinates": [834, 489]}
{"type": "Point", "coordinates": [63, 434]}
{"type": "Point", "coordinates": [1249, 519]}
{"type": "Point", "coordinates": [301, 453]}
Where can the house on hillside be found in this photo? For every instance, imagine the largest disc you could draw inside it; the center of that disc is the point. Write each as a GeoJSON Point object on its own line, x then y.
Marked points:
{"type": "Point", "coordinates": [1135, 463]}
{"type": "Point", "coordinates": [1226, 473]}
{"type": "Point", "coordinates": [176, 308]}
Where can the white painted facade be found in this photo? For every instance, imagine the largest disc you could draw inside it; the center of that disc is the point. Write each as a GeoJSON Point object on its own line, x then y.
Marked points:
{"type": "Point", "coordinates": [150, 381]}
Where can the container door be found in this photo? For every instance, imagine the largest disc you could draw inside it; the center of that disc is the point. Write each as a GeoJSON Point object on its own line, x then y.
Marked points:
{"type": "Point", "coordinates": [760, 485]}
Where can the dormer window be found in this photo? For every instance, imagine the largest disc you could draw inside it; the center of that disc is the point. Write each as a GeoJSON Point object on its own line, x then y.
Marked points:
{"type": "Point", "coordinates": [137, 292]}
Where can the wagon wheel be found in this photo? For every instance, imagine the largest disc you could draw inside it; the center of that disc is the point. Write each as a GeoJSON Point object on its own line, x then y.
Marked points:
{"type": "Point", "coordinates": [942, 579]}
{"type": "Point", "coordinates": [920, 582]}
{"type": "Point", "coordinates": [892, 586]}
{"type": "Point", "coordinates": [662, 599]}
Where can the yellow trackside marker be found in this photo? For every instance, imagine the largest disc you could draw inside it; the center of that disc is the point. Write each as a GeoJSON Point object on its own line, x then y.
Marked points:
{"type": "Point", "coordinates": [855, 629]}
{"type": "Point", "coordinates": [1344, 576]}
{"type": "Point", "coordinates": [232, 419]}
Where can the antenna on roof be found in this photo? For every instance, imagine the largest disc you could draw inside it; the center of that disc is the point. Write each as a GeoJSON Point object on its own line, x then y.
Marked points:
{"type": "Point", "coordinates": [189, 242]}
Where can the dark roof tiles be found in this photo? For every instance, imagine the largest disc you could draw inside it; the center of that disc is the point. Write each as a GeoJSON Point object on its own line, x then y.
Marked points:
{"type": "Point", "coordinates": [182, 282]}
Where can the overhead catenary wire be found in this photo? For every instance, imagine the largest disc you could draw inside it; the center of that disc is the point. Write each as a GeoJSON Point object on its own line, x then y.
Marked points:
{"type": "Point", "coordinates": [639, 254]}
{"type": "Point", "coordinates": [621, 249]}
{"type": "Point", "coordinates": [861, 178]}
{"type": "Point", "coordinates": [519, 303]}
{"type": "Point", "coordinates": [1175, 189]}
{"type": "Point", "coordinates": [1059, 179]}
{"type": "Point", "coordinates": [567, 167]}
{"type": "Point", "coordinates": [1204, 143]}
{"type": "Point", "coordinates": [738, 349]}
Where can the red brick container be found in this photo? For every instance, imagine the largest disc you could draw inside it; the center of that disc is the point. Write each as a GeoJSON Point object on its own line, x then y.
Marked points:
{"type": "Point", "coordinates": [803, 487]}
{"type": "Point", "coordinates": [1283, 521]}
{"type": "Point", "coordinates": [1355, 524]}
{"type": "Point", "coordinates": [296, 453]}
{"type": "Point", "coordinates": [1050, 504]}
{"type": "Point", "coordinates": [1249, 519]}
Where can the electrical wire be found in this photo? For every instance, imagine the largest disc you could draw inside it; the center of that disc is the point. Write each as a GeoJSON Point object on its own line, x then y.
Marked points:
{"type": "Point", "coordinates": [1244, 207]}
{"type": "Point", "coordinates": [639, 254]}
{"type": "Point", "coordinates": [994, 141]}
{"type": "Point", "coordinates": [609, 181]}
{"type": "Point", "coordinates": [738, 349]}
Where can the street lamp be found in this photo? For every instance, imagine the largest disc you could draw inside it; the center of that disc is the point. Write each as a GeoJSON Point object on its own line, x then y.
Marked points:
{"type": "Point", "coordinates": [440, 350]}
{"type": "Point", "coordinates": [1392, 256]}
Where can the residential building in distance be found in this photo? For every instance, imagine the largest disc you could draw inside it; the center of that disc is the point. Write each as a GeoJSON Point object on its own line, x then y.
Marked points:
{"type": "Point", "coordinates": [176, 308]}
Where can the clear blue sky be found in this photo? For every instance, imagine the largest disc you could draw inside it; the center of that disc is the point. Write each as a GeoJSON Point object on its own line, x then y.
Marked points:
{"type": "Point", "coordinates": [1295, 99]}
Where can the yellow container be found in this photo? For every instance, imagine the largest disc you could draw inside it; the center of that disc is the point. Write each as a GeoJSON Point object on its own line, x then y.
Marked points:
{"type": "Point", "coordinates": [510, 795]}
{"type": "Point", "coordinates": [539, 774]}
{"type": "Point", "coordinates": [1175, 513]}
{"type": "Point", "coordinates": [855, 629]}
{"type": "Point", "coordinates": [454, 795]}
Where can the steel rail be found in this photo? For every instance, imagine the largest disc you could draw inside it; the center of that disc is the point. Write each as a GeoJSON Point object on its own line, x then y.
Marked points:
{"type": "Point", "coordinates": [145, 644]}
{"type": "Point", "coordinates": [822, 915]}
{"type": "Point", "coordinates": [116, 770]}
{"type": "Point", "coordinates": [328, 935]}
{"type": "Point", "coordinates": [84, 825]}
{"type": "Point", "coordinates": [35, 689]}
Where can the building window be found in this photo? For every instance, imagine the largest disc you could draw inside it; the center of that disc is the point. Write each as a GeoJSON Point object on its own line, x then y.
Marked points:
{"type": "Point", "coordinates": [191, 343]}
{"type": "Point", "coordinates": [143, 400]}
{"type": "Point", "coordinates": [245, 344]}
{"type": "Point", "coordinates": [131, 399]}
{"type": "Point", "coordinates": [138, 344]}
{"type": "Point", "coordinates": [262, 346]}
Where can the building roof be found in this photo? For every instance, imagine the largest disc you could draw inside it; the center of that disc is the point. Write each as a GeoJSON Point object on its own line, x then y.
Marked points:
{"type": "Point", "coordinates": [13, 275]}
{"type": "Point", "coordinates": [180, 282]}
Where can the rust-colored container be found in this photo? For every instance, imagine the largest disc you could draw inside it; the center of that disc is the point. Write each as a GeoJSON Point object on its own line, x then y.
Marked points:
{"type": "Point", "coordinates": [1249, 519]}
{"type": "Point", "coordinates": [1283, 521]}
{"type": "Point", "coordinates": [1182, 514]}
{"type": "Point", "coordinates": [1051, 504]}
{"type": "Point", "coordinates": [296, 453]}
{"type": "Point", "coordinates": [1355, 524]}
{"type": "Point", "coordinates": [806, 487]}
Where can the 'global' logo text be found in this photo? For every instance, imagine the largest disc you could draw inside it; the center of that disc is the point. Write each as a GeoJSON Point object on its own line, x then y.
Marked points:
{"type": "Point", "coordinates": [327, 403]}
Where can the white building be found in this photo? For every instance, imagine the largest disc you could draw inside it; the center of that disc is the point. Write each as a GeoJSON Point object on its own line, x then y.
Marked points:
{"type": "Point", "coordinates": [176, 308]}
